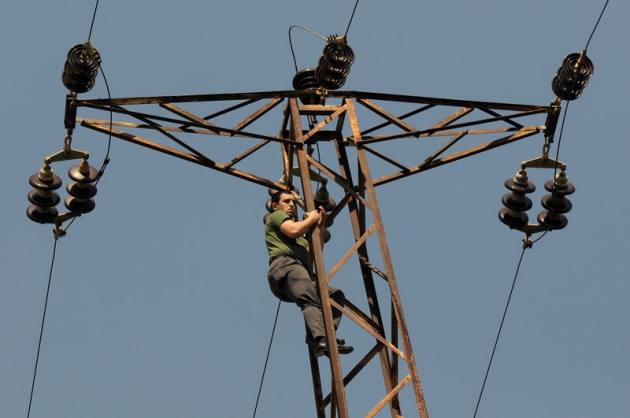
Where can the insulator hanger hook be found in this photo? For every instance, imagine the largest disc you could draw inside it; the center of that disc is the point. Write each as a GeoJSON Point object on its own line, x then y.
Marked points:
{"type": "Point", "coordinates": [544, 161]}
{"type": "Point", "coordinates": [58, 231]}
{"type": "Point", "coordinates": [527, 242]}
{"type": "Point", "coordinates": [67, 153]}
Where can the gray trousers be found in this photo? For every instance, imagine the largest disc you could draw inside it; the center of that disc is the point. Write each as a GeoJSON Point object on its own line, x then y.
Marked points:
{"type": "Point", "coordinates": [289, 281]}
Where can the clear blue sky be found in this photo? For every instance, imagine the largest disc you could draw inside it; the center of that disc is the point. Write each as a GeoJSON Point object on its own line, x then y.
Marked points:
{"type": "Point", "coordinates": [159, 305]}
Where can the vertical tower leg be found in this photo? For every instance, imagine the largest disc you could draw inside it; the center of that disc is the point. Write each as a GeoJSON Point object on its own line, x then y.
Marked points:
{"type": "Point", "coordinates": [397, 314]}
{"type": "Point", "coordinates": [316, 250]}
{"type": "Point", "coordinates": [362, 206]}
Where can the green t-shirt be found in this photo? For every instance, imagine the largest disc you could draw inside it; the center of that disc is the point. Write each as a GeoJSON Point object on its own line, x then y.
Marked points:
{"type": "Point", "coordinates": [280, 244]}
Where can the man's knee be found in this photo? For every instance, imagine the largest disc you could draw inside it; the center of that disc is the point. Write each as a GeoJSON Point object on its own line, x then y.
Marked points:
{"type": "Point", "coordinates": [337, 295]}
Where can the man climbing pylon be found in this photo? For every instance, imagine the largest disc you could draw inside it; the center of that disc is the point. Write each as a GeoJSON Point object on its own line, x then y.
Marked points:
{"type": "Point", "coordinates": [288, 275]}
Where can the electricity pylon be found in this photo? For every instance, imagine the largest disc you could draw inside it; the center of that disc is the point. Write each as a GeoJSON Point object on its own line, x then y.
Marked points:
{"type": "Point", "coordinates": [358, 132]}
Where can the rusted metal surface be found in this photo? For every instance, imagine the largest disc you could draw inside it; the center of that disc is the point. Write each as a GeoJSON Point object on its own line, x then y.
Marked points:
{"type": "Point", "coordinates": [176, 122]}
{"type": "Point", "coordinates": [320, 272]}
{"type": "Point", "coordinates": [451, 130]}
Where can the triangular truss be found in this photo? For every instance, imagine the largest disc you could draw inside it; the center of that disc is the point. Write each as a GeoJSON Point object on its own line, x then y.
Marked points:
{"type": "Point", "coordinates": [398, 136]}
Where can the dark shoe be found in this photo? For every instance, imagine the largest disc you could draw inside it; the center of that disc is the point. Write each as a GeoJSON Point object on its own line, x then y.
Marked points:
{"type": "Point", "coordinates": [343, 348]}
{"type": "Point", "coordinates": [320, 347]}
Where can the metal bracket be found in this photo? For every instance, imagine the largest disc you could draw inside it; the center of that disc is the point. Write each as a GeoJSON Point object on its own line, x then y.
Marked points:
{"type": "Point", "coordinates": [70, 116]}
{"type": "Point", "coordinates": [543, 161]}
{"type": "Point", "coordinates": [67, 153]}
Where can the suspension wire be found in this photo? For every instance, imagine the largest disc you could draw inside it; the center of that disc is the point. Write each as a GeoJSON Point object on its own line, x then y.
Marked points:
{"type": "Point", "coordinates": [291, 42]}
{"type": "Point", "coordinates": [351, 17]}
{"type": "Point", "coordinates": [41, 331]}
{"type": "Point", "coordinates": [596, 24]}
{"type": "Point", "coordinates": [106, 159]}
{"type": "Point", "coordinates": [93, 19]}
{"type": "Point", "coordinates": [316, 34]}
{"type": "Point", "coordinates": [539, 238]}
{"type": "Point", "coordinates": [499, 332]}
{"type": "Point", "coordinates": [262, 379]}
{"type": "Point", "coordinates": [319, 158]}
{"type": "Point", "coordinates": [54, 250]}
{"type": "Point", "coordinates": [564, 117]}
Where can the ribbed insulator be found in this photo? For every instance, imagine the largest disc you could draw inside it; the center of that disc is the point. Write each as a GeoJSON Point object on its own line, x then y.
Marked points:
{"type": "Point", "coordinates": [334, 65]}
{"type": "Point", "coordinates": [80, 69]}
{"type": "Point", "coordinates": [572, 76]}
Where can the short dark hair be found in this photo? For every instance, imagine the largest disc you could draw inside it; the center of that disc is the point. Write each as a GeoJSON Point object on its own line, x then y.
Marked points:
{"type": "Point", "coordinates": [275, 198]}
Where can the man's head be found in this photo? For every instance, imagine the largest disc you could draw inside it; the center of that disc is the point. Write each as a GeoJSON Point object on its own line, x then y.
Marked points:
{"type": "Point", "coordinates": [284, 201]}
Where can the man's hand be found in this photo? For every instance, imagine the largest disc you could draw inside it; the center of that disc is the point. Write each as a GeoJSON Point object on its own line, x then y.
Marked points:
{"type": "Point", "coordinates": [322, 219]}
{"type": "Point", "coordinates": [315, 216]}
{"type": "Point", "coordinates": [294, 229]}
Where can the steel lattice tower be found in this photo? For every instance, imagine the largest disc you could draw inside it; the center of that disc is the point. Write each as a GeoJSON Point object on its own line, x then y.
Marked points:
{"type": "Point", "coordinates": [361, 132]}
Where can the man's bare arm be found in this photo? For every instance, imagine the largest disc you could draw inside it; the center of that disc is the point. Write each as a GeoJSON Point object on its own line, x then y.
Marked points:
{"type": "Point", "coordinates": [294, 229]}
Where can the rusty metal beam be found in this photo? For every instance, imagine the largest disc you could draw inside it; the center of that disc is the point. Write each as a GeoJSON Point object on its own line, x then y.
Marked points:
{"type": "Point", "coordinates": [433, 163]}
{"type": "Point", "coordinates": [252, 96]}
{"type": "Point", "coordinates": [182, 124]}
{"type": "Point", "coordinates": [393, 287]}
{"type": "Point", "coordinates": [316, 248]}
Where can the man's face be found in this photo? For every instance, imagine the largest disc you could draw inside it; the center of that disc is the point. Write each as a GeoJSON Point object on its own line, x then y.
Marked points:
{"type": "Point", "coordinates": [286, 204]}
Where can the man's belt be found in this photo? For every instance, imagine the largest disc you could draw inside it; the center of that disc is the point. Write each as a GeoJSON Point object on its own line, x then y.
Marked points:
{"type": "Point", "coordinates": [283, 255]}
